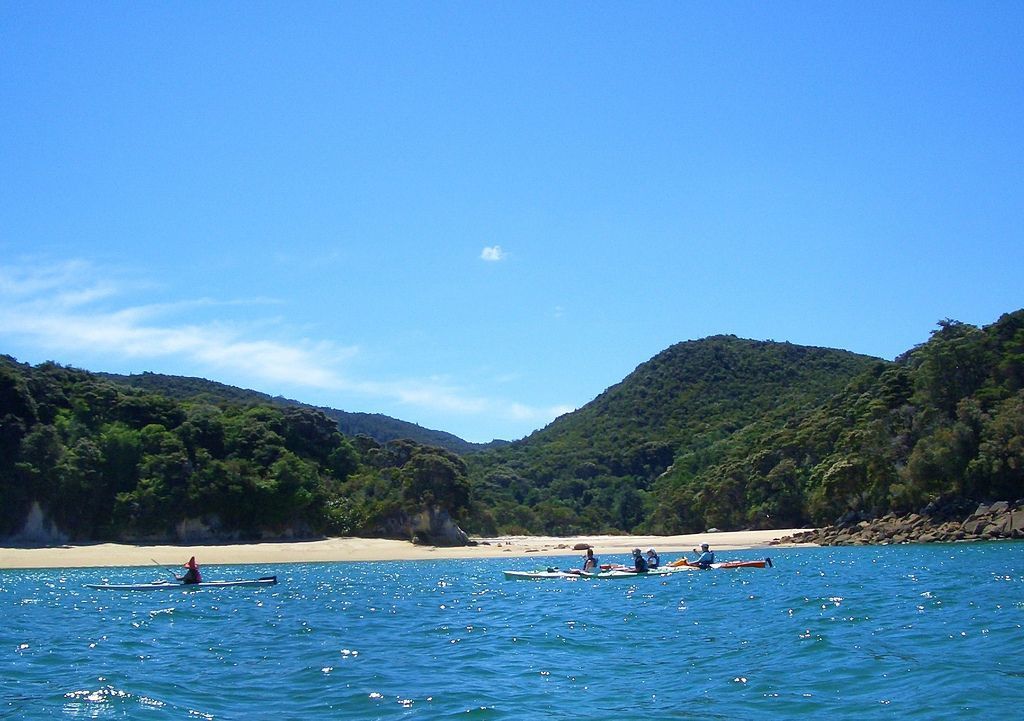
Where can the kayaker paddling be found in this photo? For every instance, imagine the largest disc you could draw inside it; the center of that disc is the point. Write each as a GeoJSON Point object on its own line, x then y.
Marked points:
{"type": "Point", "coordinates": [706, 557]}
{"type": "Point", "coordinates": [590, 562]}
{"type": "Point", "coordinates": [192, 575]}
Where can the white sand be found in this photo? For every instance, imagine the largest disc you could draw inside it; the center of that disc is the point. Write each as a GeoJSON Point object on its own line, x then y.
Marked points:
{"type": "Point", "coordinates": [371, 549]}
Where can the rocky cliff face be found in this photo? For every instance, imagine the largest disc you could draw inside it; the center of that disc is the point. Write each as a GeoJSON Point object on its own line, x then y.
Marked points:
{"type": "Point", "coordinates": [988, 522]}
{"type": "Point", "coordinates": [432, 526]}
{"type": "Point", "coordinates": [39, 530]}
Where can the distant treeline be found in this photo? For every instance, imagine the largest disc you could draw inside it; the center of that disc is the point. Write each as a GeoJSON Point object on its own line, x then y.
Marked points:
{"type": "Point", "coordinates": [721, 432]}
{"type": "Point", "coordinates": [375, 425]}
{"type": "Point", "coordinates": [105, 461]}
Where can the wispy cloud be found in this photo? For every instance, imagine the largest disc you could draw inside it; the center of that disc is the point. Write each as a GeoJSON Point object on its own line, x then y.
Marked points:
{"type": "Point", "coordinates": [493, 254]}
{"type": "Point", "coordinates": [46, 308]}
{"type": "Point", "coordinates": [520, 412]}
{"type": "Point", "coordinates": [75, 309]}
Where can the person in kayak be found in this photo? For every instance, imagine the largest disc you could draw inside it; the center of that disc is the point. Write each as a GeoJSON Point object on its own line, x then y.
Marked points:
{"type": "Point", "coordinates": [639, 562]}
{"type": "Point", "coordinates": [706, 558]}
{"type": "Point", "coordinates": [590, 562]}
{"type": "Point", "coordinates": [192, 575]}
{"type": "Point", "coordinates": [653, 560]}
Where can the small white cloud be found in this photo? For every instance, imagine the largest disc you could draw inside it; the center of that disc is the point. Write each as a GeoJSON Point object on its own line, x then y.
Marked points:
{"type": "Point", "coordinates": [492, 254]}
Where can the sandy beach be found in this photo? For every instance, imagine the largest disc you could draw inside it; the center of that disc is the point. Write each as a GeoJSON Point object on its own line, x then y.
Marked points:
{"type": "Point", "coordinates": [369, 549]}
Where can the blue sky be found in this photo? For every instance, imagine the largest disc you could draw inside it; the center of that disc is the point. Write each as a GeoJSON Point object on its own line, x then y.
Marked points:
{"type": "Point", "coordinates": [477, 216]}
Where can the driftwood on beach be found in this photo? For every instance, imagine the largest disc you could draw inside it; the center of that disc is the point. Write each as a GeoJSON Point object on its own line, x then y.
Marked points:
{"type": "Point", "coordinates": [988, 522]}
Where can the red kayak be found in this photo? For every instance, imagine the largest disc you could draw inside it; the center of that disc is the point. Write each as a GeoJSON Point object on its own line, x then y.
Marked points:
{"type": "Point", "coordinates": [763, 563]}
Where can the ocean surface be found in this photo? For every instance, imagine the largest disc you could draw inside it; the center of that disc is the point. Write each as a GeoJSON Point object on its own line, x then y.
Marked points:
{"type": "Point", "coordinates": [922, 632]}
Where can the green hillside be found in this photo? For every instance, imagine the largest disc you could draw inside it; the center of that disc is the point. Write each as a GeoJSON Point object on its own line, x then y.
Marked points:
{"type": "Point", "coordinates": [944, 425]}
{"type": "Point", "coordinates": [105, 460]}
{"type": "Point", "coordinates": [595, 469]}
{"type": "Point", "coordinates": [733, 434]}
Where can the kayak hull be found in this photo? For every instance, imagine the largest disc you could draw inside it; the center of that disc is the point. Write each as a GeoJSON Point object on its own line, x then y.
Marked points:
{"type": "Point", "coordinates": [602, 576]}
{"type": "Point", "coordinates": [538, 575]}
{"type": "Point", "coordinates": [170, 586]}
{"type": "Point", "coordinates": [612, 572]}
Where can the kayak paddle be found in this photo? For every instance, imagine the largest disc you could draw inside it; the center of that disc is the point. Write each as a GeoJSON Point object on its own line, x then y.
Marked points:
{"type": "Point", "coordinates": [166, 568]}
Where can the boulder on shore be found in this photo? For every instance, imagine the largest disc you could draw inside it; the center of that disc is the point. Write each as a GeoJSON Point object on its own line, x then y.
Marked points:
{"type": "Point", "coordinates": [431, 526]}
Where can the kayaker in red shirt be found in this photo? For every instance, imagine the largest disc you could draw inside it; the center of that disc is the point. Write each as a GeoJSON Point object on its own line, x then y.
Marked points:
{"type": "Point", "coordinates": [192, 575]}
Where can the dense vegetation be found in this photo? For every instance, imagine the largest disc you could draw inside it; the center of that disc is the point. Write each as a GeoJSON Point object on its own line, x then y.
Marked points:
{"type": "Point", "coordinates": [945, 422]}
{"type": "Point", "coordinates": [105, 461]}
{"type": "Point", "coordinates": [596, 469]}
{"type": "Point", "coordinates": [375, 425]}
{"type": "Point", "coordinates": [720, 432]}
{"type": "Point", "coordinates": [737, 434]}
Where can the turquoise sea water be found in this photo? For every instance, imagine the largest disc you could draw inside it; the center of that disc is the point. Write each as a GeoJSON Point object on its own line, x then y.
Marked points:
{"type": "Point", "coordinates": [927, 632]}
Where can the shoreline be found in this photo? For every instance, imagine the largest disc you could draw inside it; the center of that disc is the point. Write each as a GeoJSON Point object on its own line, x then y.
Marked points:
{"type": "Point", "coordinates": [103, 555]}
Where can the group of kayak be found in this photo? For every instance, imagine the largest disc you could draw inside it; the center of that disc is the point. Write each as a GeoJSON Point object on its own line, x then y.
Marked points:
{"type": "Point", "coordinates": [648, 564]}
{"type": "Point", "coordinates": [645, 565]}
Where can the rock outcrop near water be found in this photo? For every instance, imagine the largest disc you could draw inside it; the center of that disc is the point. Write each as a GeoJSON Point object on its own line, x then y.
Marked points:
{"type": "Point", "coordinates": [39, 530]}
{"type": "Point", "coordinates": [431, 526]}
{"type": "Point", "coordinates": [935, 523]}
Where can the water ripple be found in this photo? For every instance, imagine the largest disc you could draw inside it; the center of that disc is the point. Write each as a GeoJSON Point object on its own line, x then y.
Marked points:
{"type": "Point", "coordinates": [865, 631]}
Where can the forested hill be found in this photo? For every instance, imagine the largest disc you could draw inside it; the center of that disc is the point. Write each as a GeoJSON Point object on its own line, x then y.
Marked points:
{"type": "Point", "coordinates": [375, 425]}
{"type": "Point", "coordinates": [84, 458]}
{"type": "Point", "coordinates": [594, 468]}
{"type": "Point", "coordinates": [700, 390]}
{"type": "Point", "coordinates": [733, 434]}
{"type": "Point", "coordinates": [720, 432]}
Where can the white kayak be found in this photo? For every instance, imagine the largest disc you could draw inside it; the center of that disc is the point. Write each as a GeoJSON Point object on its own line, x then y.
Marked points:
{"type": "Point", "coordinates": [603, 575]}
{"type": "Point", "coordinates": [171, 585]}
{"type": "Point", "coordinates": [534, 575]}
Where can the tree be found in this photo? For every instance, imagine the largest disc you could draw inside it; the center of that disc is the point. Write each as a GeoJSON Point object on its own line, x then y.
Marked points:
{"type": "Point", "coordinates": [433, 477]}
{"type": "Point", "coordinates": [556, 518]}
{"type": "Point", "coordinates": [82, 502]}
{"type": "Point", "coordinates": [292, 483]}
{"type": "Point", "coordinates": [775, 499]}
{"type": "Point", "coordinates": [629, 508]}
{"type": "Point", "coordinates": [998, 469]}
{"type": "Point", "coordinates": [343, 461]}
{"type": "Point", "coordinates": [121, 448]}
{"type": "Point", "coordinates": [950, 366]}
